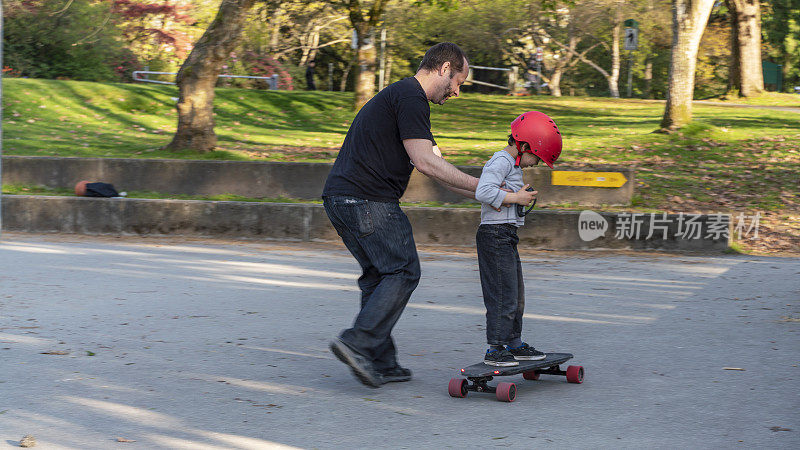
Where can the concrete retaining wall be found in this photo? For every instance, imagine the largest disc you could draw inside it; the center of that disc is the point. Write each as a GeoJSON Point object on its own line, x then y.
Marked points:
{"type": "Point", "coordinates": [557, 230]}
{"type": "Point", "coordinates": [268, 179]}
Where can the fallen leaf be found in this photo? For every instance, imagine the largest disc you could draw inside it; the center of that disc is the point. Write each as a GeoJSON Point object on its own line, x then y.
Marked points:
{"type": "Point", "coordinates": [119, 439]}
{"type": "Point", "coordinates": [27, 441]}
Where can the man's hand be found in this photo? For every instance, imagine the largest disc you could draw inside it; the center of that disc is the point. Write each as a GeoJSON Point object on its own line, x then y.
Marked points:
{"type": "Point", "coordinates": [506, 190]}
{"type": "Point", "coordinates": [426, 161]}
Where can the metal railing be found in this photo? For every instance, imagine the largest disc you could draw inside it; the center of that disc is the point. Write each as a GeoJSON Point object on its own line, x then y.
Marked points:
{"type": "Point", "coordinates": [272, 80]}
{"type": "Point", "coordinates": [512, 77]}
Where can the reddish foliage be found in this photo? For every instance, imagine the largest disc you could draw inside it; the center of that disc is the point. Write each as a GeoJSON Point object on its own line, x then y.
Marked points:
{"type": "Point", "coordinates": [126, 65]}
{"type": "Point", "coordinates": [138, 19]}
{"type": "Point", "coordinates": [135, 9]}
{"type": "Point", "coordinates": [22, 8]}
{"type": "Point", "coordinates": [266, 66]}
{"type": "Point", "coordinates": [9, 72]}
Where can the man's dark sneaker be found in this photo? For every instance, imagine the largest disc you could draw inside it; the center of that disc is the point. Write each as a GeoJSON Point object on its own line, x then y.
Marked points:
{"type": "Point", "coordinates": [361, 366]}
{"type": "Point", "coordinates": [526, 353]}
{"type": "Point", "coordinates": [394, 374]}
{"type": "Point", "coordinates": [500, 358]}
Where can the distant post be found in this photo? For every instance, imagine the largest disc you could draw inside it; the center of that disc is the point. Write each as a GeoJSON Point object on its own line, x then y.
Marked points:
{"type": "Point", "coordinates": [539, 59]}
{"type": "Point", "coordinates": [631, 44]}
{"type": "Point", "coordinates": [330, 76]}
{"type": "Point", "coordinates": [512, 80]}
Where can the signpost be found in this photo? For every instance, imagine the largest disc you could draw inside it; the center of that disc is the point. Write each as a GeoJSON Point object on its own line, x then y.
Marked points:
{"type": "Point", "coordinates": [590, 179]}
{"type": "Point", "coordinates": [631, 39]}
{"type": "Point", "coordinates": [631, 44]}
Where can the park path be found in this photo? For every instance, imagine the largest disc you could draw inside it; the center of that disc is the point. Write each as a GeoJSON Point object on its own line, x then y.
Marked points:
{"type": "Point", "coordinates": [209, 344]}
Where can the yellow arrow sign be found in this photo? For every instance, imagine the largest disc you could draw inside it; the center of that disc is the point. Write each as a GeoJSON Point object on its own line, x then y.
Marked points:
{"type": "Point", "coordinates": [593, 179]}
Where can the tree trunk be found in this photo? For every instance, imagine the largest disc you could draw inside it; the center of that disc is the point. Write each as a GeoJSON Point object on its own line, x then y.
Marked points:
{"type": "Point", "coordinates": [648, 79]}
{"type": "Point", "coordinates": [746, 74]}
{"type": "Point", "coordinates": [689, 18]}
{"type": "Point", "coordinates": [570, 51]}
{"type": "Point", "coordinates": [366, 64]}
{"type": "Point", "coordinates": [345, 75]}
{"type": "Point", "coordinates": [366, 56]}
{"type": "Point", "coordinates": [613, 79]}
{"type": "Point", "coordinates": [275, 24]}
{"type": "Point", "coordinates": [198, 75]}
{"type": "Point", "coordinates": [388, 75]}
{"type": "Point", "coordinates": [562, 64]}
{"type": "Point", "coordinates": [555, 81]}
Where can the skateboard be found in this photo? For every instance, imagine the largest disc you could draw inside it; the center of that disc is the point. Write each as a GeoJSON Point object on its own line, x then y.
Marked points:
{"type": "Point", "coordinates": [476, 376]}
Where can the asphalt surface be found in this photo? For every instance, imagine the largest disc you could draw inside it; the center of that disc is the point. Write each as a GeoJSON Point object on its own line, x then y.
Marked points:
{"type": "Point", "coordinates": [210, 344]}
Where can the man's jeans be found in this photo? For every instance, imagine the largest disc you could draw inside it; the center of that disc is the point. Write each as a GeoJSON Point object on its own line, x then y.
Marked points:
{"type": "Point", "coordinates": [378, 234]}
{"type": "Point", "coordinates": [501, 281]}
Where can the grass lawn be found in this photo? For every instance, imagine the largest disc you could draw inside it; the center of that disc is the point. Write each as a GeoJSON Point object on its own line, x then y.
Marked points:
{"type": "Point", "coordinates": [733, 160]}
{"type": "Point", "coordinates": [765, 99]}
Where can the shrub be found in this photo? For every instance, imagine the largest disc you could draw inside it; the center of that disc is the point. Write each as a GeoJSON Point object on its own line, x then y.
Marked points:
{"type": "Point", "coordinates": [45, 39]}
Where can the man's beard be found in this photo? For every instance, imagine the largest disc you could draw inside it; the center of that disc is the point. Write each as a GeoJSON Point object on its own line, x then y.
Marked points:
{"type": "Point", "coordinates": [445, 95]}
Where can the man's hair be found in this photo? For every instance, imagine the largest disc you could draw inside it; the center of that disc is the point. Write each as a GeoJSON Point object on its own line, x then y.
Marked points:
{"type": "Point", "coordinates": [513, 142]}
{"type": "Point", "coordinates": [441, 53]}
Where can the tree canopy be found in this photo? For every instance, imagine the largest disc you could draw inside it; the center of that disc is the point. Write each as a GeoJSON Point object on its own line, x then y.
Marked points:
{"type": "Point", "coordinates": [106, 40]}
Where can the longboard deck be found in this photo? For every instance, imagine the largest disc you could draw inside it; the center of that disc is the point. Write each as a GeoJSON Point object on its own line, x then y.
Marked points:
{"type": "Point", "coordinates": [485, 370]}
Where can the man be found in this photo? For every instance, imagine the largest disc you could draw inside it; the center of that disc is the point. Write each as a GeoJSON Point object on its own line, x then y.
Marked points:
{"type": "Point", "coordinates": [388, 138]}
{"type": "Point", "coordinates": [310, 86]}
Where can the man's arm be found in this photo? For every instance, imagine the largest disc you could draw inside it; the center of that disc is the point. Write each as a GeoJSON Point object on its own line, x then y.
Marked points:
{"type": "Point", "coordinates": [469, 194]}
{"type": "Point", "coordinates": [421, 153]}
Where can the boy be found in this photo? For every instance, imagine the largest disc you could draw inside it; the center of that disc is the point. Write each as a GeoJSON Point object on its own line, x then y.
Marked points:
{"type": "Point", "coordinates": [534, 137]}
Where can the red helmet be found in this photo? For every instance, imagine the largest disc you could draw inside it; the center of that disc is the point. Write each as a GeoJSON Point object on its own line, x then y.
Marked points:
{"type": "Point", "coordinates": [541, 134]}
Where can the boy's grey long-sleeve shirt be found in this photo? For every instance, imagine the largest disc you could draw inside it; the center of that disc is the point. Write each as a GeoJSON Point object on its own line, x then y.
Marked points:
{"type": "Point", "coordinates": [500, 168]}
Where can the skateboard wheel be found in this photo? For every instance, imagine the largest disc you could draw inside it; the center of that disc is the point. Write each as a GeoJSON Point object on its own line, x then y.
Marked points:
{"type": "Point", "coordinates": [575, 374]}
{"type": "Point", "coordinates": [506, 392]}
{"type": "Point", "coordinates": [457, 387]}
{"type": "Point", "coordinates": [530, 375]}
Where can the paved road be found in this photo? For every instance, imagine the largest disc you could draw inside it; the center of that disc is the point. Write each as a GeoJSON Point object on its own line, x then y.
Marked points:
{"type": "Point", "coordinates": [208, 344]}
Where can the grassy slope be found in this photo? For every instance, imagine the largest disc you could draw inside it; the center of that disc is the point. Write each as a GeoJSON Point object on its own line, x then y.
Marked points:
{"type": "Point", "coordinates": [765, 99]}
{"type": "Point", "coordinates": [730, 160]}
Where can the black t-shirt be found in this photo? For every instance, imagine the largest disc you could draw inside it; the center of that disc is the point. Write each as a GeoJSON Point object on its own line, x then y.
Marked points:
{"type": "Point", "coordinates": [373, 163]}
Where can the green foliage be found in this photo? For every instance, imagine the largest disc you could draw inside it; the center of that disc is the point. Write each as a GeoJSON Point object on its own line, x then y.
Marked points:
{"type": "Point", "coordinates": [47, 39]}
{"type": "Point", "coordinates": [113, 38]}
{"type": "Point", "coordinates": [781, 31]}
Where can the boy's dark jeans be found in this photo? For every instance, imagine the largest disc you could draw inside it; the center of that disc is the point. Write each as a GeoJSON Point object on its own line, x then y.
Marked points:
{"type": "Point", "coordinates": [501, 281]}
{"type": "Point", "coordinates": [379, 236]}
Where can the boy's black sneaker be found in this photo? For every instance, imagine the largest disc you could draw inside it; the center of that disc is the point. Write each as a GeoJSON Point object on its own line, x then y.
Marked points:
{"type": "Point", "coordinates": [499, 358]}
{"type": "Point", "coordinates": [394, 374]}
{"type": "Point", "coordinates": [526, 353]}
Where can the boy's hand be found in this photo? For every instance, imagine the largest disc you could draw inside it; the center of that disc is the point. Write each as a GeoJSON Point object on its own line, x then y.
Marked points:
{"type": "Point", "coordinates": [523, 196]}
